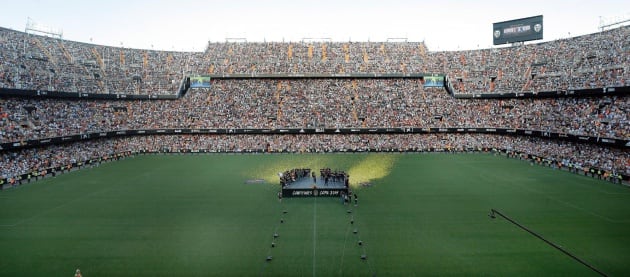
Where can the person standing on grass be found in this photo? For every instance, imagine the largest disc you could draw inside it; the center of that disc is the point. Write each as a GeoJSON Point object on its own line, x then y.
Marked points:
{"type": "Point", "coordinates": [356, 200]}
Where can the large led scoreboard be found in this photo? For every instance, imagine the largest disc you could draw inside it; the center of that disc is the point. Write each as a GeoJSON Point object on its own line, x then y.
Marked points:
{"type": "Point", "coordinates": [199, 81]}
{"type": "Point", "coordinates": [518, 30]}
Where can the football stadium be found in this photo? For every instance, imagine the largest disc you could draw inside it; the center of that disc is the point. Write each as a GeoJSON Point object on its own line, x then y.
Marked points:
{"type": "Point", "coordinates": [316, 158]}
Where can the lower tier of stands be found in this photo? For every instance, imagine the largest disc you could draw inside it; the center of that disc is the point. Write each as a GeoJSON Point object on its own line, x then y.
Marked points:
{"type": "Point", "coordinates": [17, 165]}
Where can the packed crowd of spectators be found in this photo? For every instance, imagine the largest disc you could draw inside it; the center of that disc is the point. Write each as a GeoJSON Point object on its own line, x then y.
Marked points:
{"type": "Point", "coordinates": [314, 57]}
{"type": "Point", "coordinates": [591, 61]}
{"type": "Point", "coordinates": [42, 63]}
{"type": "Point", "coordinates": [313, 103]}
{"type": "Point", "coordinates": [27, 160]}
{"type": "Point", "coordinates": [35, 62]}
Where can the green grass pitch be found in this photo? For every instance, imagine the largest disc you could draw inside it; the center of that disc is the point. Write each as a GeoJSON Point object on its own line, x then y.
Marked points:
{"type": "Point", "coordinates": [424, 215]}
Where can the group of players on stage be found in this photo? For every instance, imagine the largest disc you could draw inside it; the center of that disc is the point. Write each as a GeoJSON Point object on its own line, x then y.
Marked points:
{"type": "Point", "coordinates": [333, 176]}
{"type": "Point", "coordinates": [293, 175]}
{"type": "Point", "coordinates": [327, 175]}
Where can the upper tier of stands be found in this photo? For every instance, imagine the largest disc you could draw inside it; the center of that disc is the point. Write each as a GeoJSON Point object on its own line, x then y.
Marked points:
{"type": "Point", "coordinates": [36, 62]}
{"type": "Point", "coordinates": [42, 63]}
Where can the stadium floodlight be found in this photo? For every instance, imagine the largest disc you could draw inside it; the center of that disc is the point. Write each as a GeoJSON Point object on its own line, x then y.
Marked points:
{"type": "Point", "coordinates": [607, 22]}
{"type": "Point", "coordinates": [314, 39]}
{"type": "Point", "coordinates": [38, 28]}
{"type": "Point", "coordinates": [233, 39]}
{"type": "Point", "coordinates": [397, 39]}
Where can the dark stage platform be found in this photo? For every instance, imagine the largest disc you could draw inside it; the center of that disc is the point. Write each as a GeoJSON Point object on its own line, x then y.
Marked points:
{"type": "Point", "coordinates": [305, 187]}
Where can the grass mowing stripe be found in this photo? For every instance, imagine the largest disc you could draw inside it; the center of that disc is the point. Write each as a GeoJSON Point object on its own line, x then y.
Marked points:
{"type": "Point", "coordinates": [54, 208]}
{"type": "Point", "coordinates": [343, 250]}
{"type": "Point", "coordinates": [273, 240]}
{"type": "Point", "coordinates": [584, 210]}
{"type": "Point", "coordinates": [493, 211]}
{"type": "Point", "coordinates": [504, 180]}
{"type": "Point", "coordinates": [550, 197]}
{"type": "Point", "coordinates": [314, 232]}
{"type": "Point", "coordinates": [363, 244]}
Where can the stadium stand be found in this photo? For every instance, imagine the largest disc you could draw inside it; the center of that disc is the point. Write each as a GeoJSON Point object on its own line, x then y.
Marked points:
{"type": "Point", "coordinates": [590, 61]}
{"type": "Point", "coordinates": [33, 62]}
{"type": "Point", "coordinates": [37, 62]}
{"type": "Point", "coordinates": [306, 103]}
{"type": "Point", "coordinates": [14, 164]}
{"type": "Point", "coordinates": [30, 62]}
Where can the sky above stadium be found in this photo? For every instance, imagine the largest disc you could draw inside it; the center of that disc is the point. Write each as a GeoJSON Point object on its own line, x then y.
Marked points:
{"type": "Point", "coordinates": [190, 24]}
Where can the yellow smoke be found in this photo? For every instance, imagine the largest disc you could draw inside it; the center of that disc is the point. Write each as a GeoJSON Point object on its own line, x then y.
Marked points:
{"type": "Point", "coordinates": [366, 168]}
{"type": "Point", "coordinates": [269, 171]}
{"type": "Point", "coordinates": [375, 166]}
